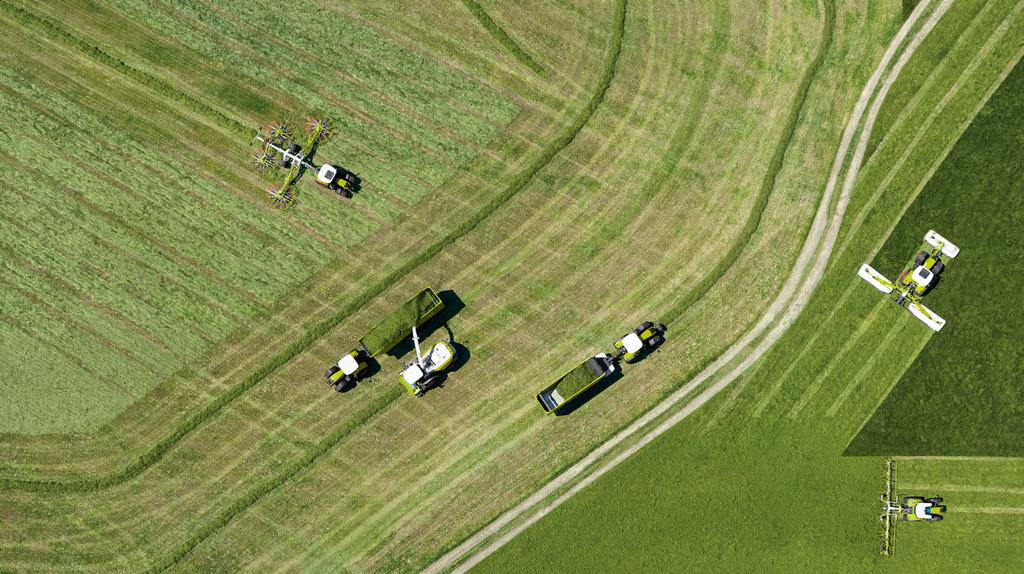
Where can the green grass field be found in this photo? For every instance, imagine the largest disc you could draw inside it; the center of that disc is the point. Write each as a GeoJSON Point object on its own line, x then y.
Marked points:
{"type": "Point", "coordinates": [567, 169]}
{"type": "Point", "coordinates": [757, 479]}
{"type": "Point", "coordinates": [964, 384]}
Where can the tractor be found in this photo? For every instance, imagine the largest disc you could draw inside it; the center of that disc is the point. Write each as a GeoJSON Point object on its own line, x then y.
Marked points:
{"type": "Point", "coordinates": [349, 369]}
{"type": "Point", "coordinates": [277, 140]}
{"type": "Point", "coordinates": [425, 373]}
{"type": "Point", "coordinates": [636, 344]}
{"type": "Point", "coordinates": [337, 179]}
{"type": "Point", "coordinates": [921, 509]}
{"type": "Point", "coordinates": [919, 276]}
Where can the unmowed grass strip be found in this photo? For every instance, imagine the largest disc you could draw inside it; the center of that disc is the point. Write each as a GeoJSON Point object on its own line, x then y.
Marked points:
{"type": "Point", "coordinates": [502, 37]}
{"type": "Point", "coordinates": [318, 330]}
{"type": "Point", "coordinates": [967, 377]}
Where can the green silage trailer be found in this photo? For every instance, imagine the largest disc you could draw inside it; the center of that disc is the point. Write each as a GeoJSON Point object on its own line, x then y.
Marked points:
{"type": "Point", "coordinates": [398, 324]}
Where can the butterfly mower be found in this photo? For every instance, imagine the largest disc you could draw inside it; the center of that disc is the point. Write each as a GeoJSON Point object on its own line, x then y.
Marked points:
{"type": "Point", "coordinates": [919, 276]}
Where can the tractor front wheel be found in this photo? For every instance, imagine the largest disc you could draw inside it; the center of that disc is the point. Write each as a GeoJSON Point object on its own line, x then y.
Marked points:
{"type": "Point", "coordinates": [938, 267]}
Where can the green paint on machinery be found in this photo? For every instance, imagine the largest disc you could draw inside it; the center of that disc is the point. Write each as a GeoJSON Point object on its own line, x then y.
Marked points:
{"type": "Point", "coordinates": [278, 147]}
{"type": "Point", "coordinates": [919, 276]}
{"type": "Point", "coordinates": [392, 329]}
{"type": "Point", "coordinates": [630, 348]}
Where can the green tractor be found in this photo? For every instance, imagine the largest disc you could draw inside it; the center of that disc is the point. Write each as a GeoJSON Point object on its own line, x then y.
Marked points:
{"type": "Point", "coordinates": [921, 509]}
{"type": "Point", "coordinates": [639, 342]}
{"type": "Point", "coordinates": [347, 371]}
{"type": "Point", "coordinates": [918, 277]}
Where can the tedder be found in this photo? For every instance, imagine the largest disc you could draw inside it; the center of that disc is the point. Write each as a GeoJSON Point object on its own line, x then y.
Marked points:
{"type": "Point", "coordinates": [278, 147]}
{"type": "Point", "coordinates": [632, 347]}
{"type": "Point", "coordinates": [421, 374]}
{"type": "Point", "coordinates": [919, 276]}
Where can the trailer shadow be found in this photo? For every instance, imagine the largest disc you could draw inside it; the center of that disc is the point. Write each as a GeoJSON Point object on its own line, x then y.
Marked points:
{"type": "Point", "coordinates": [590, 393]}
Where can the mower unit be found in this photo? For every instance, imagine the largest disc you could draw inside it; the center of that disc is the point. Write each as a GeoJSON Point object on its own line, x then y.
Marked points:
{"type": "Point", "coordinates": [919, 276]}
{"type": "Point", "coordinates": [636, 344]}
{"type": "Point", "coordinates": [348, 370]}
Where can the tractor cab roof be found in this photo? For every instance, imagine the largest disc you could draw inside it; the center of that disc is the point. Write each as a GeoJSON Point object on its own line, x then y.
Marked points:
{"type": "Point", "coordinates": [348, 364]}
{"type": "Point", "coordinates": [921, 510]}
{"type": "Point", "coordinates": [922, 276]}
{"type": "Point", "coordinates": [632, 343]}
{"type": "Point", "coordinates": [327, 173]}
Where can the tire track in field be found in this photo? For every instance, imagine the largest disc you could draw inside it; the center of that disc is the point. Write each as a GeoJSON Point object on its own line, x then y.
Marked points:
{"type": "Point", "coordinates": [793, 297]}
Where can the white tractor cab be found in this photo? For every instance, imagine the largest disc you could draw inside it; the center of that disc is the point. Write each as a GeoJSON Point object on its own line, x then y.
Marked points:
{"type": "Point", "coordinates": [348, 370]}
{"type": "Point", "coordinates": [636, 344]}
{"type": "Point", "coordinates": [424, 373]}
{"type": "Point", "coordinates": [337, 179]}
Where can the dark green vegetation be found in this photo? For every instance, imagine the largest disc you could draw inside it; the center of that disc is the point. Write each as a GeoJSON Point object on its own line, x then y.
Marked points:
{"type": "Point", "coordinates": [963, 394]}
{"type": "Point", "coordinates": [501, 36]}
{"type": "Point", "coordinates": [396, 325]}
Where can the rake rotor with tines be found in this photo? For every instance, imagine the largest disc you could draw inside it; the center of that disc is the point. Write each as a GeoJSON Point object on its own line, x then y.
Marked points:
{"type": "Point", "coordinates": [323, 126]}
{"type": "Point", "coordinates": [282, 197]}
{"type": "Point", "coordinates": [279, 133]}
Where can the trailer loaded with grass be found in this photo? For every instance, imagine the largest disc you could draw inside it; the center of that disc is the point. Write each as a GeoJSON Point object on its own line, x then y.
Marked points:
{"type": "Point", "coordinates": [391, 330]}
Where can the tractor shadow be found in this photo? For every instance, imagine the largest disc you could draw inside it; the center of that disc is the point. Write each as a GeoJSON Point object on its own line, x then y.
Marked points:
{"type": "Point", "coordinates": [372, 368]}
{"type": "Point", "coordinates": [590, 393]}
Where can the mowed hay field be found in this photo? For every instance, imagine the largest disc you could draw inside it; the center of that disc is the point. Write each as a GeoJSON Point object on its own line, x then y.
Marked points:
{"type": "Point", "coordinates": [757, 479]}
{"type": "Point", "coordinates": [135, 238]}
{"type": "Point", "coordinates": [648, 164]}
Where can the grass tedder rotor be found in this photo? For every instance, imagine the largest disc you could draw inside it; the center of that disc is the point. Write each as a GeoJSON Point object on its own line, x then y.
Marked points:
{"type": "Point", "coordinates": [278, 146]}
{"type": "Point", "coordinates": [919, 276]}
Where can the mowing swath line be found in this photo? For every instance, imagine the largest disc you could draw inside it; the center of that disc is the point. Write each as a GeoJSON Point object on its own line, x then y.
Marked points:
{"type": "Point", "coordinates": [919, 135]}
{"type": "Point", "coordinates": [836, 358]}
{"type": "Point", "coordinates": [327, 444]}
{"type": "Point", "coordinates": [988, 510]}
{"type": "Point", "coordinates": [867, 365]}
{"type": "Point", "coordinates": [963, 488]}
{"type": "Point", "coordinates": [53, 30]}
{"type": "Point", "coordinates": [979, 58]}
{"type": "Point", "coordinates": [812, 243]}
{"type": "Point", "coordinates": [768, 184]}
{"type": "Point", "coordinates": [502, 37]}
{"type": "Point", "coordinates": [156, 452]}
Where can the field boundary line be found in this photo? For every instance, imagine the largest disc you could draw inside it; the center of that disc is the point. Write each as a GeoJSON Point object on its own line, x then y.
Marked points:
{"type": "Point", "coordinates": [816, 242]}
{"type": "Point", "coordinates": [499, 34]}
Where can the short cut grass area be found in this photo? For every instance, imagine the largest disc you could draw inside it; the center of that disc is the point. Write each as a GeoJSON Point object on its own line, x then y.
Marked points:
{"type": "Point", "coordinates": [963, 394]}
{"type": "Point", "coordinates": [756, 480]}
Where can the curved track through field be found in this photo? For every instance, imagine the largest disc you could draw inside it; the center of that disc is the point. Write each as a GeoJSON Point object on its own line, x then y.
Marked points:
{"type": "Point", "coordinates": [796, 292]}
